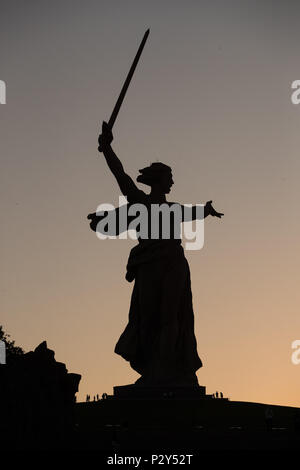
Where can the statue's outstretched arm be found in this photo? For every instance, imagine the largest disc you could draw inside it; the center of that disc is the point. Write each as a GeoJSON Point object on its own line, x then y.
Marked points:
{"type": "Point", "coordinates": [192, 213]}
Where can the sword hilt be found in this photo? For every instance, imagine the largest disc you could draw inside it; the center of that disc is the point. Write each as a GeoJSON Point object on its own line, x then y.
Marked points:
{"type": "Point", "coordinates": [106, 135]}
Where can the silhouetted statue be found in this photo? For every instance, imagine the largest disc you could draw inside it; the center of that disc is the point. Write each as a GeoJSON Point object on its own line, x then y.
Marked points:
{"type": "Point", "coordinates": [159, 340]}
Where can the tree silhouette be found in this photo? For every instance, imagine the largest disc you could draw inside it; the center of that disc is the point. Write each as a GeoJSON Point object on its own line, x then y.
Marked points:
{"type": "Point", "coordinates": [11, 350]}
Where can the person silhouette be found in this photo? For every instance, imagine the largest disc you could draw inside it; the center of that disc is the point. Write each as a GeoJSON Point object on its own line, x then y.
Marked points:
{"type": "Point", "coordinates": [159, 340]}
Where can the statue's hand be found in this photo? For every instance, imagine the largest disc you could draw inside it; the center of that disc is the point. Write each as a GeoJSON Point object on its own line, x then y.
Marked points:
{"type": "Point", "coordinates": [212, 211]}
{"type": "Point", "coordinates": [106, 138]}
{"type": "Point", "coordinates": [94, 219]}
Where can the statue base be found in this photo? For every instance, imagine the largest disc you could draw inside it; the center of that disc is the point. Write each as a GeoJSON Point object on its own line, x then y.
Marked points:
{"type": "Point", "coordinates": [160, 392]}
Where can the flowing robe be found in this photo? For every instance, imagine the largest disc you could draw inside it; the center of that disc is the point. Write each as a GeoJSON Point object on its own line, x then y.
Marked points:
{"type": "Point", "coordinates": [159, 340]}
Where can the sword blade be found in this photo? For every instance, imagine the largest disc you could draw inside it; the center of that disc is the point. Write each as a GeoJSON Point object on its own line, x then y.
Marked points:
{"type": "Point", "coordinates": [119, 102]}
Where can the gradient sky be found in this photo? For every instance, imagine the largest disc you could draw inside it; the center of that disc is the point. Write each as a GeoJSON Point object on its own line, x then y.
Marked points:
{"type": "Point", "coordinates": [211, 98]}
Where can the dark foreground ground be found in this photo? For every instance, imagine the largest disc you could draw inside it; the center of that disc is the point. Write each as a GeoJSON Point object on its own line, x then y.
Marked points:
{"type": "Point", "coordinates": [153, 430]}
{"type": "Point", "coordinates": [171, 426]}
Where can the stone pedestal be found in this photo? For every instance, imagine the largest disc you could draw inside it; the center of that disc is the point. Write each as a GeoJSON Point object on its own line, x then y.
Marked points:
{"type": "Point", "coordinates": [134, 392]}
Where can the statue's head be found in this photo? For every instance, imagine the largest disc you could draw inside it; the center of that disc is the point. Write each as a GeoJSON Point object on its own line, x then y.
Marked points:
{"type": "Point", "coordinates": [157, 175]}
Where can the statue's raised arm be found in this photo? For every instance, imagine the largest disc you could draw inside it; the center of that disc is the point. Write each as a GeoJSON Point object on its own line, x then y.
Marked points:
{"type": "Point", "coordinates": [126, 184]}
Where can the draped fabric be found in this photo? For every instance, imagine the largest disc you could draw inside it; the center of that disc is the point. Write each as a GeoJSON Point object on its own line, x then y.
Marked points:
{"type": "Point", "coordinates": [159, 340]}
